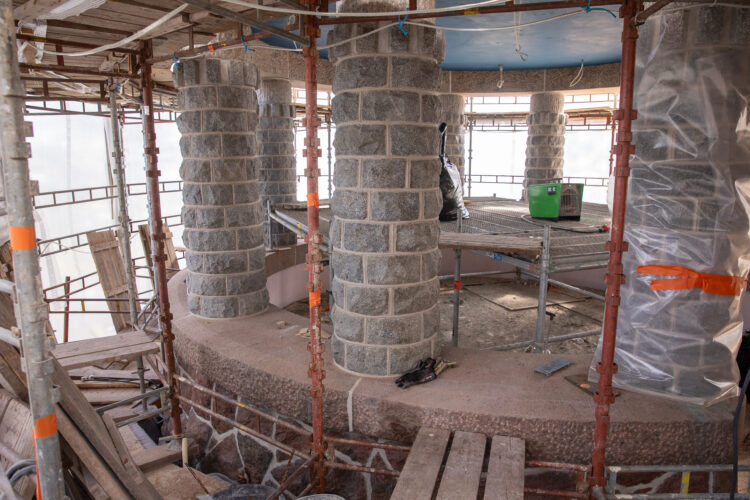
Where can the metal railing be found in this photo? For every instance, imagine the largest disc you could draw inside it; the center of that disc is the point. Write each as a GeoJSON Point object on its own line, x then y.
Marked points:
{"type": "Point", "coordinates": [685, 472]}
{"type": "Point", "coordinates": [98, 193]}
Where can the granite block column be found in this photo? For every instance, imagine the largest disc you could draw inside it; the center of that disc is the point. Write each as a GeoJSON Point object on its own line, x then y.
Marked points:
{"type": "Point", "coordinates": [545, 143]}
{"type": "Point", "coordinates": [222, 212]}
{"type": "Point", "coordinates": [688, 202]}
{"type": "Point", "coordinates": [385, 228]}
{"type": "Point", "coordinates": [276, 156]}
{"type": "Point", "coordinates": [453, 115]}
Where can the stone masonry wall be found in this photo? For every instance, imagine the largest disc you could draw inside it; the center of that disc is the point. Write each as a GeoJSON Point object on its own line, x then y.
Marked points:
{"type": "Point", "coordinates": [545, 143]}
{"type": "Point", "coordinates": [687, 202]}
{"type": "Point", "coordinates": [276, 156]}
{"type": "Point", "coordinates": [454, 117]}
{"type": "Point", "coordinates": [386, 203]}
{"type": "Point", "coordinates": [222, 212]}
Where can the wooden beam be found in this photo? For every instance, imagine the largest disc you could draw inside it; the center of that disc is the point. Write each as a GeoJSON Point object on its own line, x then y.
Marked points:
{"type": "Point", "coordinates": [32, 9]}
{"type": "Point", "coordinates": [241, 18]}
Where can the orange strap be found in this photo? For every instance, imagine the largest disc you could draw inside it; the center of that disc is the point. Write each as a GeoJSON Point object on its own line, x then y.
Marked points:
{"type": "Point", "coordinates": [314, 299]}
{"type": "Point", "coordinates": [719, 284]}
{"type": "Point", "coordinates": [457, 285]}
{"type": "Point", "coordinates": [312, 200]}
{"type": "Point", "coordinates": [211, 47]}
{"type": "Point", "coordinates": [22, 238]}
{"type": "Point", "coordinates": [45, 426]}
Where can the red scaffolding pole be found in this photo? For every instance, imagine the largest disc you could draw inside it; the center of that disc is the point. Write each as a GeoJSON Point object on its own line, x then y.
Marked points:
{"type": "Point", "coordinates": [157, 233]}
{"type": "Point", "coordinates": [316, 371]}
{"type": "Point", "coordinates": [616, 246]}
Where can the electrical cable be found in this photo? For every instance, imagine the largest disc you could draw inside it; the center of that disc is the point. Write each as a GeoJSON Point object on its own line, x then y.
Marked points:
{"type": "Point", "coordinates": [285, 10]}
{"type": "Point", "coordinates": [135, 36]}
{"type": "Point", "coordinates": [735, 437]}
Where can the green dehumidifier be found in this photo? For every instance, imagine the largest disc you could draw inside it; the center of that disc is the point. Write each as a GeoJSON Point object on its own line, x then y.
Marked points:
{"type": "Point", "coordinates": [555, 201]}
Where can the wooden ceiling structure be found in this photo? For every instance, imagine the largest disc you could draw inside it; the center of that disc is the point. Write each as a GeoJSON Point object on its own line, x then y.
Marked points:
{"type": "Point", "coordinates": [53, 80]}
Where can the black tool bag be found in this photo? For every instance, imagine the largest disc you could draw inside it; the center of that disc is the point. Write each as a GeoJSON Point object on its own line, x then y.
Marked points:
{"type": "Point", "coordinates": [450, 185]}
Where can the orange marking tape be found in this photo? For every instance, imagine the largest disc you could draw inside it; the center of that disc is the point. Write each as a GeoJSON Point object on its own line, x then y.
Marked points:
{"type": "Point", "coordinates": [457, 284]}
{"type": "Point", "coordinates": [22, 238]}
{"type": "Point", "coordinates": [211, 47]}
{"type": "Point", "coordinates": [45, 426]}
{"type": "Point", "coordinates": [312, 200]}
{"type": "Point", "coordinates": [314, 299]}
{"type": "Point", "coordinates": [719, 284]}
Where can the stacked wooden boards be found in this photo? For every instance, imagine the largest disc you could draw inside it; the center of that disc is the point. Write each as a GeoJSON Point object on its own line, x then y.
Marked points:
{"type": "Point", "coordinates": [448, 467]}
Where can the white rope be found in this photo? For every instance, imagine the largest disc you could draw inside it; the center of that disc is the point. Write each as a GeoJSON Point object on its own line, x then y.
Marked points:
{"type": "Point", "coordinates": [501, 81]}
{"type": "Point", "coordinates": [517, 28]}
{"type": "Point", "coordinates": [135, 36]}
{"type": "Point", "coordinates": [285, 10]}
{"type": "Point", "coordinates": [579, 76]}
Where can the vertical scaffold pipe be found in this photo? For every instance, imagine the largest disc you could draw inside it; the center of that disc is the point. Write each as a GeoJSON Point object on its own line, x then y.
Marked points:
{"type": "Point", "coordinates": [316, 372]}
{"type": "Point", "coordinates": [32, 310]}
{"type": "Point", "coordinates": [616, 246]}
{"type": "Point", "coordinates": [157, 232]}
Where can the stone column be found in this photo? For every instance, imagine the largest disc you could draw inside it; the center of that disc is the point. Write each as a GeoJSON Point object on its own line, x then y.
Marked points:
{"type": "Point", "coordinates": [454, 117]}
{"type": "Point", "coordinates": [222, 212]}
{"type": "Point", "coordinates": [385, 228]}
{"type": "Point", "coordinates": [688, 201]}
{"type": "Point", "coordinates": [276, 156]}
{"type": "Point", "coordinates": [546, 140]}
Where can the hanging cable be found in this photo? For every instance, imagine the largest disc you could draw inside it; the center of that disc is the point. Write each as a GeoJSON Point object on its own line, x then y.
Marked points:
{"type": "Point", "coordinates": [285, 10]}
{"type": "Point", "coordinates": [516, 20]}
{"type": "Point", "coordinates": [135, 36]}
{"type": "Point", "coordinates": [577, 79]}
{"type": "Point", "coordinates": [501, 81]}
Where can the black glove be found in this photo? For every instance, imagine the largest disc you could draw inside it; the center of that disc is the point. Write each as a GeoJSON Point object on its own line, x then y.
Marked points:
{"type": "Point", "coordinates": [425, 372]}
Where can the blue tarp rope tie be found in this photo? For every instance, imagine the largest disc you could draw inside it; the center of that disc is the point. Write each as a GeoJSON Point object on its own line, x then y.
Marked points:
{"type": "Point", "coordinates": [244, 44]}
{"type": "Point", "coordinates": [402, 21]}
{"type": "Point", "coordinates": [588, 8]}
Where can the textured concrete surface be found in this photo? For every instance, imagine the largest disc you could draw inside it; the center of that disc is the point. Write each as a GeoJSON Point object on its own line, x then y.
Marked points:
{"type": "Point", "coordinates": [489, 392]}
{"type": "Point", "coordinates": [687, 202]}
{"type": "Point", "coordinates": [385, 230]}
{"type": "Point", "coordinates": [221, 206]}
{"type": "Point", "coordinates": [454, 117]}
{"type": "Point", "coordinates": [545, 143]}
{"type": "Point", "coordinates": [277, 165]}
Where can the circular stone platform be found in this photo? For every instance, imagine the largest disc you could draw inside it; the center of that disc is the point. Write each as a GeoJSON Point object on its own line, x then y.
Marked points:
{"type": "Point", "coordinates": [489, 392]}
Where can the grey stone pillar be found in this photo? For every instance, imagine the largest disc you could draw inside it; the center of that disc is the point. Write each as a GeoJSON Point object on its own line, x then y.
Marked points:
{"type": "Point", "coordinates": [687, 203]}
{"type": "Point", "coordinates": [276, 155]}
{"type": "Point", "coordinates": [545, 143]}
{"type": "Point", "coordinates": [222, 212]}
{"type": "Point", "coordinates": [385, 229]}
{"type": "Point", "coordinates": [454, 117]}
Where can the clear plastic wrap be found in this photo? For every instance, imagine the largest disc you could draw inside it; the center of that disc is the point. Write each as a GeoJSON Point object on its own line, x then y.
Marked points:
{"type": "Point", "coordinates": [688, 204]}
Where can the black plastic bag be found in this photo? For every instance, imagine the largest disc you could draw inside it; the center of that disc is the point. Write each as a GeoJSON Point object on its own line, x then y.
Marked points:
{"type": "Point", "coordinates": [450, 185]}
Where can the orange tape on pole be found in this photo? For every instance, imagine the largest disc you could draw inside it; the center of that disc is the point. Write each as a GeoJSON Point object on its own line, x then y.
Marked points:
{"type": "Point", "coordinates": [312, 200]}
{"type": "Point", "coordinates": [45, 426]}
{"type": "Point", "coordinates": [457, 284]}
{"type": "Point", "coordinates": [685, 279]}
{"type": "Point", "coordinates": [22, 238]}
{"type": "Point", "coordinates": [314, 299]}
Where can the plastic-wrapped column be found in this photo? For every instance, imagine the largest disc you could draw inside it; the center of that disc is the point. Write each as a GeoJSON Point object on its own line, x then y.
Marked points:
{"type": "Point", "coordinates": [689, 194]}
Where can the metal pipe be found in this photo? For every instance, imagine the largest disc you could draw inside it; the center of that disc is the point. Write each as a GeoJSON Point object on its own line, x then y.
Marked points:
{"type": "Point", "coordinates": [556, 493]}
{"type": "Point", "coordinates": [131, 399]}
{"type": "Point", "coordinates": [550, 340]}
{"type": "Point", "coordinates": [125, 226]}
{"type": "Point", "coordinates": [368, 444]}
{"type": "Point", "coordinates": [457, 281]}
{"type": "Point", "coordinates": [359, 468]}
{"type": "Point", "coordinates": [616, 246]}
{"type": "Point", "coordinates": [31, 310]}
{"type": "Point", "coordinates": [314, 239]}
{"type": "Point", "coordinates": [157, 233]}
{"type": "Point", "coordinates": [330, 156]}
{"type": "Point", "coordinates": [566, 286]}
{"type": "Point", "coordinates": [7, 287]}
{"type": "Point", "coordinates": [243, 428]}
{"type": "Point", "coordinates": [294, 475]}
{"type": "Point", "coordinates": [144, 416]}
{"type": "Point", "coordinates": [66, 310]}
{"type": "Point", "coordinates": [471, 148]}
{"type": "Point", "coordinates": [557, 465]}
{"type": "Point", "coordinates": [543, 282]}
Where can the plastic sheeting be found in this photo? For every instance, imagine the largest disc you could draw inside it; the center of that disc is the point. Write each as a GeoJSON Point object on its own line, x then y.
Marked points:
{"type": "Point", "coordinates": [688, 204]}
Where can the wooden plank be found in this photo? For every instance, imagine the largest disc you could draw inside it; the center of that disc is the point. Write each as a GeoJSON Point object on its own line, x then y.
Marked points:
{"type": "Point", "coordinates": [123, 353]}
{"type": "Point", "coordinates": [107, 396]}
{"type": "Point", "coordinates": [147, 489]}
{"type": "Point", "coordinates": [94, 464]}
{"type": "Point", "coordinates": [91, 371]}
{"type": "Point", "coordinates": [173, 265]}
{"type": "Point", "coordinates": [179, 483]}
{"type": "Point", "coordinates": [92, 426]}
{"type": "Point", "coordinates": [463, 467]}
{"type": "Point", "coordinates": [107, 255]}
{"type": "Point", "coordinates": [505, 471]}
{"type": "Point", "coordinates": [492, 243]}
{"type": "Point", "coordinates": [12, 378]}
{"type": "Point", "coordinates": [101, 344]}
{"type": "Point", "coordinates": [149, 458]}
{"type": "Point", "coordinates": [16, 425]}
{"type": "Point", "coordinates": [419, 475]}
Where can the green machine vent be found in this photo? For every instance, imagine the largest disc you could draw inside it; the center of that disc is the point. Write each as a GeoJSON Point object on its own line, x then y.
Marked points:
{"type": "Point", "coordinates": [555, 201]}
